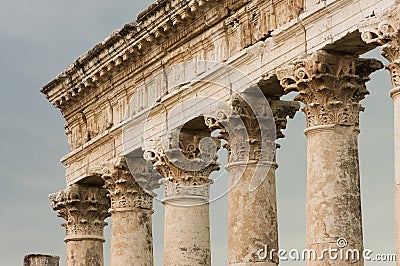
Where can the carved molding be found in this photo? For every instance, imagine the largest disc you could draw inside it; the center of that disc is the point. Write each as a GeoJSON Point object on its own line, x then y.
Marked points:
{"type": "Point", "coordinates": [331, 86]}
{"type": "Point", "coordinates": [186, 159]}
{"type": "Point", "coordinates": [175, 191]}
{"type": "Point", "coordinates": [84, 209]}
{"type": "Point", "coordinates": [125, 191]}
{"type": "Point", "coordinates": [384, 30]}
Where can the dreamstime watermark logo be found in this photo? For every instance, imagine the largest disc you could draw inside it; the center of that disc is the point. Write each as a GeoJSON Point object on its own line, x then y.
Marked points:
{"type": "Point", "coordinates": [341, 252]}
{"type": "Point", "coordinates": [203, 96]}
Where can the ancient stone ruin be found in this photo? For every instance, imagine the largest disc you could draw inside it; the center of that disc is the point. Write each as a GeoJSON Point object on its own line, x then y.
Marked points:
{"type": "Point", "coordinates": [154, 102]}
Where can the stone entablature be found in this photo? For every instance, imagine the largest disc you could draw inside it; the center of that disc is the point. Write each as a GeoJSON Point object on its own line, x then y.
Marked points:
{"type": "Point", "coordinates": [96, 78]}
{"type": "Point", "coordinates": [154, 29]}
{"type": "Point", "coordinates": [94, 127]}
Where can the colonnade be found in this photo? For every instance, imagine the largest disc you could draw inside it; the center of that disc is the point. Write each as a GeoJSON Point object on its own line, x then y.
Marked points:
{"type": "Point", "coordinates": [331, 86]}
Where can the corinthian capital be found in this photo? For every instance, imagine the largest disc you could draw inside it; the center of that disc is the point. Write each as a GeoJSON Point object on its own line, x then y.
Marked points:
{"type": "Point", "coordinates": [330, 85]}
{"type": "Point", "coordinates": [187, 158]}
{"type": "Point", "coordinates": [381, 29]}
{"type": "Point", "coordinates": [253, 125]}
{"type": "Point", "coordinates": [385, 30]}
{"type": "Point", "coordinates": [125, 191]}
{"type": "Point", "coordinates": [281, 111]}
{"type": "Point", "coordinates": [84, 208]}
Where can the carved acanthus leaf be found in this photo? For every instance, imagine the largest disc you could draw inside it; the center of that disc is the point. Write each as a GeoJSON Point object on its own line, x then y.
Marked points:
{"type": "Point", "coordinates": [189, 157]}
{"type": "Point", "coordinates": [125, 191]}
{"type": "Point", "coordinates": [252, 129]}
{"type": "Point", "coordinates": [330, 85]}
{"type": "Point", "coordinates": [84, 209]}
{"type": "Point", "coordinates": [384, 30]}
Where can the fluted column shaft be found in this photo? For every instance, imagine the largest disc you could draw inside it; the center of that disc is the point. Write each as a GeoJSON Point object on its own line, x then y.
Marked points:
{"type": "Point", "coordinates": [84, 208]}
{"type": "Point", "coordinates": [186, 167]}
{"type": "Point", "coordinates": [385, 30]}
{"type": "Point", "coordinates": [131, 214]}
{"type": "Point", "coordinates": [331, 86]}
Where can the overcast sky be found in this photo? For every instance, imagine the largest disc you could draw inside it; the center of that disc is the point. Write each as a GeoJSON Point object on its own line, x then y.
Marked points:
{"type": "Point", "coordinates": [39, 39]}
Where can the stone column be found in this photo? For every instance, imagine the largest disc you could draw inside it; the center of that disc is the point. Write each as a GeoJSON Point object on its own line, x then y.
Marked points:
{"type": "Point", "coordinates": [331, 87]}
{"type": "Point", "coordinates": [131, 211]}
{"type": "Point", "coordinates": [252, 210]}
{"type": "Point", "coordinates": [84, 208]}
{"type": "Point", "coordinates": [385, 30]}
{"type": "Point", "coordinates": [186, 167]}
{"type": "Point", "coordinates": [41, 260]}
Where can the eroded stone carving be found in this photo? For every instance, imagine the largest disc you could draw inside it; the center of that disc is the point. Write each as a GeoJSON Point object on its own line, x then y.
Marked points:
{"type": "Point", "coordinates": [84, 208]}
{"type": "Point", "coordinates": [384, 30]}
{"type": "Point", "coordinates": [242, 128]}
{"type": "Point", "coordinates": [188, 162]}
{"type": "Point", "coordinates": [41, 260]}
{"type": "Point", "coordinates": [331, 86]}
{"type": "Point", "coordinates": [125, 192]}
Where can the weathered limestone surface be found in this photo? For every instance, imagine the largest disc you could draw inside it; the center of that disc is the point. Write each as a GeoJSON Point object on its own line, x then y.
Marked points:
{"type": "Point", "coordinates": [84, 208]}
{"type": "Point", "coordinates": [332, 86]}
{"type": "Point", "coordinates": [187, 228]}
{"type": "Point", "coordinates": [252, 216]}
{"type": "Point", "coordinates": [131, 211]}
{"type": "Point", "coordinates": [186, 163]}
{"type": "Point", "coordinates": [41, 260]}
{"type": "Point", "coordinates": [250, 131]}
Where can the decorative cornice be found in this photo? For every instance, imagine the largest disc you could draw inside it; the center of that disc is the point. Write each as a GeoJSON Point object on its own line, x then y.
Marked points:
{"type": "Point", "coordinates": [162, 28]}
{"type": "Point", "coordinates": [188, 157]}
{"type": "Point", "coordinates": [331, 86]}
{"type": "Point", "coordinates": [385, 30]}
{"type": "Point", "coordinates": [84, 209]}
{"type": "Point", "coordinates": [152, 28]}
{"type": "Point", "coordinates": [125, 191]}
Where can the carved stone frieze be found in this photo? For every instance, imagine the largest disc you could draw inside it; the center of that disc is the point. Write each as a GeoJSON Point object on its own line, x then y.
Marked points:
{"type": "Point", "coordinates": [125, 191]}
{"type": "Point", "coordinates": [84, 209]}
{"type": "Point", "coordinates": [331, 86]}
{"type": "Point", "coordinates": [187, 158]}
{"type": "Point", "coordinates": [385, 31]}
{"type": "Point", "coordinates": [162, 27]}
{"type": "Point", "coordinates": [287, 10]}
